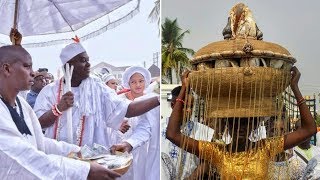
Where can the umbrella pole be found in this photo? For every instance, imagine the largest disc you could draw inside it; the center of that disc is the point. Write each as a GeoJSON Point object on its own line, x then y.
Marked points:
{"type": "Point", "coordinates": [15, 16]}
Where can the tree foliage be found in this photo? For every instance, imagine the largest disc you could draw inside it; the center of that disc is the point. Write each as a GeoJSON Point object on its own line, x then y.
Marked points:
{"type": "Point", "coordinates": [172, 51]}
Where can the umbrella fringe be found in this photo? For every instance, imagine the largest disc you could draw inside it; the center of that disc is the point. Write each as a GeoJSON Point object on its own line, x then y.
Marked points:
{"type": "Point", "coordinates": [112, 25]}
{"type": "Point", "coordinates": [88, 36]}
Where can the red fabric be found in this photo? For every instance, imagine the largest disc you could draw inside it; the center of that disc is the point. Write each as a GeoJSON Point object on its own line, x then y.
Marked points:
{"type": "Point", "coordinates": [123, 91]}
{"type": "Point", "coordinates": [76, 39]}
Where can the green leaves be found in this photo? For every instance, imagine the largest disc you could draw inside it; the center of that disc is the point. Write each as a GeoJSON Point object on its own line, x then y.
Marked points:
{"type": "Point", "coordinates": [172, 50]}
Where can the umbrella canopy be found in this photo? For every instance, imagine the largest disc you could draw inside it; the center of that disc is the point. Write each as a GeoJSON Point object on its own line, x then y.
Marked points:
{"type": "Point", "coordinates": [48, 22]}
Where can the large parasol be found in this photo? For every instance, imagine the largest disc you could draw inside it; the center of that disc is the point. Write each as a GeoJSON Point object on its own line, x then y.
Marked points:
{"type": "Point", "coordinates": [49, 22]}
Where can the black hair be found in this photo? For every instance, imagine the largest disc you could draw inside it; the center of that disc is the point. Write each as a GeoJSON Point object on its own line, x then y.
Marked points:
{"type": "Point", "coordinates": [9, 53]}
{"type": "Point", "coordinates": [42, 70]}
{"type": "Point", "coordinates": [175, 91]}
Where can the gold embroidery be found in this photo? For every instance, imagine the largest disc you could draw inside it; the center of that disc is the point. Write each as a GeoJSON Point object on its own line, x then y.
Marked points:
{"type": "Point", "coordinates": [252, 164]}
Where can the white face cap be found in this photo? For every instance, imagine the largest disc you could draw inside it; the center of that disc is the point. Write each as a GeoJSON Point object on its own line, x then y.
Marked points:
{"type": "Point", "coordinates": [70, 51]}
{"type": "Point", "coordinates": [132, 70]}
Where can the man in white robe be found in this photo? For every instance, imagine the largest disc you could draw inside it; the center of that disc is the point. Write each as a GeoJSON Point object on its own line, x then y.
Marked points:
{"type": "Point", "coordinates": [94, 106]}
{"type": "Point", "coordinates": [24, 152]}
{"type": "Point", "coordinates": [26, 156]}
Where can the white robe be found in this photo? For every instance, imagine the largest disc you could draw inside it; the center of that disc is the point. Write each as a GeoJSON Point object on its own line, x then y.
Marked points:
{"type": "Point", "coordinates": [35, 157]}
{"type": "Point", "coordinates": [177, 163]}
{"type": "Point", "coordinates": [147, 130]}
{"type": "Point", "coordinates": [99, 103]}
{"type": "Point", "coordinates": [135, 172]}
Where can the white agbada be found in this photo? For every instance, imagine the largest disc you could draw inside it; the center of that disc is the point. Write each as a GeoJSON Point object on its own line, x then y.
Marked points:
{"type": "Point", "coordinates": [100, 105]}
{"type": "Point", "coordinates": [177, 163]}
{"type": "Point", "coordinates": [35, 156]}
{"type": "Point", "coordinates": [148, 130]}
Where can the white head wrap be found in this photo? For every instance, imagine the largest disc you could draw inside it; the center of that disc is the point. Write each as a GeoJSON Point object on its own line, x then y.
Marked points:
{"type": "Point", "coordinates": [135, 69]}
{"type": "Point", "coordinates": [70, 51]}
{"type": "Point", "coordinates": [107, 77]}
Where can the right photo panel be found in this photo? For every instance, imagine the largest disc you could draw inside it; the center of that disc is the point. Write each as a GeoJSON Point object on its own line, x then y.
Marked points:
{"type": "Point", "coordinates": [240, 90]}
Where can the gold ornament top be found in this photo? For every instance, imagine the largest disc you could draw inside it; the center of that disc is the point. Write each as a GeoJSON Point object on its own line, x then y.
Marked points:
{"type": "Point", "coordinates": [243, 39]}
{"type": "Point", "coordinates": [251, 164]}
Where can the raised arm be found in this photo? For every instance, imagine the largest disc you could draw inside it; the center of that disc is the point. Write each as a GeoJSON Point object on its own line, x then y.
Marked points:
{"type": "Point", "coordinates": [308, 126]}
{"type": "Point", "coordinates": [173, 132]}
{"type": "Point", "coordinates": [137, 108]}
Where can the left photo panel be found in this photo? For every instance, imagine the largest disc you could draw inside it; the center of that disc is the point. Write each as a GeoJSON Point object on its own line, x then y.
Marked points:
{"type": "Point", "coordinates": [80, 89]}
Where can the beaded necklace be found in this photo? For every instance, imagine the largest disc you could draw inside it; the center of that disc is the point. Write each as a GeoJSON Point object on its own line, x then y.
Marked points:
{"type": "Point", "coordinates": [57, 123]}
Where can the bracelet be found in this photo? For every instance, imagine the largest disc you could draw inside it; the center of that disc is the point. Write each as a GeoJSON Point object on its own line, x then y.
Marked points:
{"type": "Point", "coordinates": [298, 101]}
{"type": "Point", "coordinates": [180, 100]}
{"type": "Point", "coordinates": [58, 111]}
{"type": "Point", "coordinates": [55, 113]}
{"type": "Point", "coordinates": [301, 102]}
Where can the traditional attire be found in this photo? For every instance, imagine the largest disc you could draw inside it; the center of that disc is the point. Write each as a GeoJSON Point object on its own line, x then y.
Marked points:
{"type": "Point", "coordinates": [302, 157]}
{"type": "Point", "coordinates": [23, 94]}
{"type": "Point", "coordinates": [135, 172]}
{"type": "Point", "coordinates": [95, 107]}
{"type": "Point", "coordinates": [133, 122]}
{"type": "Point", "coordinates": [107, 77]}
{"type": "Point", "coordinates": [145, 151]}
{"type": "Point", "coordinates": [242, 165]}
{"type": "Point", "coordinates": [34, 156]}
{"type": "Point", "coordinates": [312, 170]}
{"type": "Point", "coordinates": [175, 162]}
{"type": "Point", "coordinates": [147, 130]}
{"type": "Point", "coordinates": [288, 169]}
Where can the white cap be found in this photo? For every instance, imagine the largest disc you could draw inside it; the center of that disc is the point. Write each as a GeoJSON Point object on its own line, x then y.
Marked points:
{"type": "Point", "coordinates": [135, 69]}
{"type": "Point", "coordinates": [107, 77]}
{"type": "Point", "coordinates": [70, 51]}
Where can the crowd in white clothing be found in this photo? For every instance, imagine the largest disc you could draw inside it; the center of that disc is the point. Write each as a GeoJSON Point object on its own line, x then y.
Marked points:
{"type": "Point", "coordinates": [97, 112]}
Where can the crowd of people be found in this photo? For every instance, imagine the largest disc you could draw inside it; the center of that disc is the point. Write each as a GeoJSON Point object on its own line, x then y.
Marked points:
{"type": "Point", "coordinates": [34, 131]}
